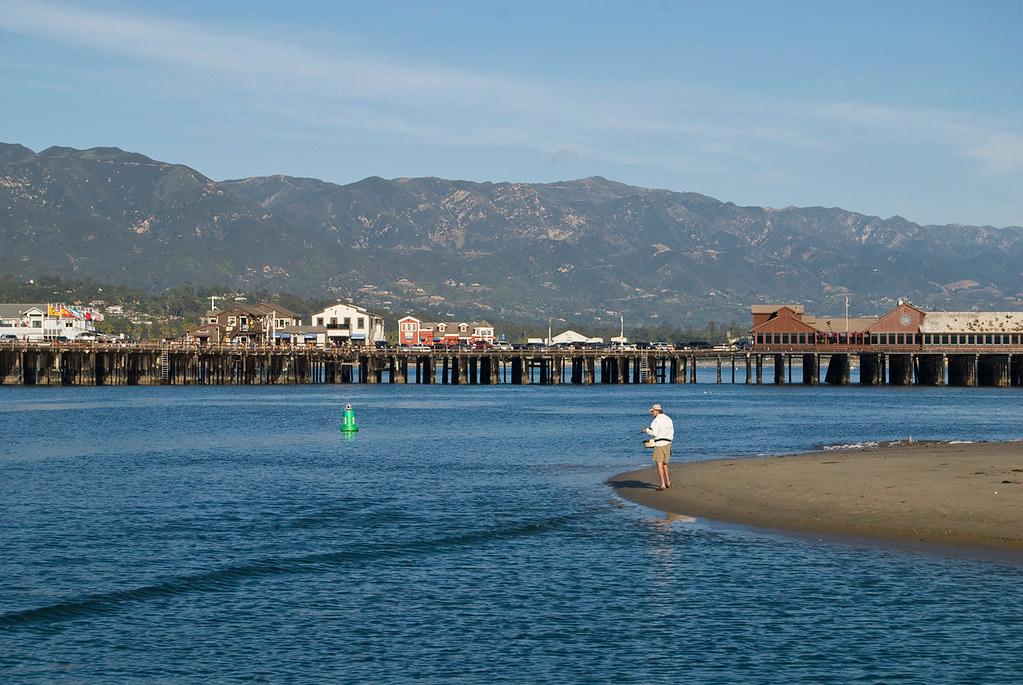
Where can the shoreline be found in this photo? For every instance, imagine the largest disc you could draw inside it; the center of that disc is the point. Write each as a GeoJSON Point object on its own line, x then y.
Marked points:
{"type": "Point", "coordinates": [952, 494]}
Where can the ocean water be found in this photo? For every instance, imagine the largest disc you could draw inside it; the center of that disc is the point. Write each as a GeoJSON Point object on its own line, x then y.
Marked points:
{"type": "Point", "coordinates": [465, 534]}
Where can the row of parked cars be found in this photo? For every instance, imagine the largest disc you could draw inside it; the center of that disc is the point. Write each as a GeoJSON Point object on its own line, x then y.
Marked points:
{"type": "Point", "coordinates": [10, 338]}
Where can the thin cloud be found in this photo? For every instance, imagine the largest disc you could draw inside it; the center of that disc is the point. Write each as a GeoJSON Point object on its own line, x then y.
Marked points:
{"type": "Point", "coordinates": [999, 151]}
{"type": "Point", "coordinates": [411, 95]}
{"type": "Point", "coordinates": [253, 61]}
{"type": "Point", "coordinates": [431, 104]}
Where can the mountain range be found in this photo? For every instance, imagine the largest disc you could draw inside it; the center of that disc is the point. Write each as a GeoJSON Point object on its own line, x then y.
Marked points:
{"type": "Point", "coordinates": [583, 250]}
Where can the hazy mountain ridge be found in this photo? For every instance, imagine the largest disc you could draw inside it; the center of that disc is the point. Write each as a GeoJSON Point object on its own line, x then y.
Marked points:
{"type": "Point", "coordinates": [583, 249]}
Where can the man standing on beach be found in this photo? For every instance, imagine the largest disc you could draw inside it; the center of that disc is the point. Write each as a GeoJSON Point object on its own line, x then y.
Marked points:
{"type": "Point", "coordinates": [662, 431]}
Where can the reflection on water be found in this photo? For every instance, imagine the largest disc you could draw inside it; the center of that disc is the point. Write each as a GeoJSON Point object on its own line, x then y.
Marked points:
{"type": "Point", "coordinates": [463, 534]}
{"type": "Point", "coordinates": [669, 518]}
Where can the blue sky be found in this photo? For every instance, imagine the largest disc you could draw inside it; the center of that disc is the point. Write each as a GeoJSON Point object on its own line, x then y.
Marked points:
{"type": "Point", "coordinates": [909, 108]}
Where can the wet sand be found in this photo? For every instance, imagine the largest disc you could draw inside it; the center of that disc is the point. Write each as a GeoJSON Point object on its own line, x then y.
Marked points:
{"type": "Point", "coordinates": [965, 494]}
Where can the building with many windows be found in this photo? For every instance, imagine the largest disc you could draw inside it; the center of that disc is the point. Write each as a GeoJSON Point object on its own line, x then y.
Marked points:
{"type": "Point", "coordinates": [906, 327]}
{"type": "Point", "coordinates": [38, 322]}
{"type": "Point", "coordinates": [348, 323]}
{"type": "Point", "coordinates": [412, 331]}
{"type": "Point", "coordinates": [241, 324]}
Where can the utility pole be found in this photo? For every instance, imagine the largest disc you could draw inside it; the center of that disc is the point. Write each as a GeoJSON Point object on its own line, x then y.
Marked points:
{"type": "Point", "coordinates": [269, 322]}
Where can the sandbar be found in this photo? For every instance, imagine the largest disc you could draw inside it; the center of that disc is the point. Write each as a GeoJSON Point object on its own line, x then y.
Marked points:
{"type": "Point", "coordinates": [961, 494]}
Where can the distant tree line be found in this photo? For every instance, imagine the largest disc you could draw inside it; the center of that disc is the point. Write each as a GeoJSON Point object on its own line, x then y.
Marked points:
{"type": "Point", "coordinates": [174, 311]}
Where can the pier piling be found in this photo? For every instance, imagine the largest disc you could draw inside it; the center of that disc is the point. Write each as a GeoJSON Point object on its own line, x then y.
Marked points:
{"type": "Point", "coordinates": [72, 365]}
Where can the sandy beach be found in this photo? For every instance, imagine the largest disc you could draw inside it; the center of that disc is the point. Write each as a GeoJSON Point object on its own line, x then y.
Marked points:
{"type": "Point", "coordinates": [953, 494]}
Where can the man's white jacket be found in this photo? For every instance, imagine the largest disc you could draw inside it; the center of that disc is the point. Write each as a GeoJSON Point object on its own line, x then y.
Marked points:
{"type": "Point", "coordinates": [661, 429]}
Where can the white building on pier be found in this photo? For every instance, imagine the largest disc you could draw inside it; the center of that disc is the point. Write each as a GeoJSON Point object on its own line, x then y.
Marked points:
{"type": "Point", "coordinates": [37, 322]}
{"type": "Point", "coordinates": [347, 323]}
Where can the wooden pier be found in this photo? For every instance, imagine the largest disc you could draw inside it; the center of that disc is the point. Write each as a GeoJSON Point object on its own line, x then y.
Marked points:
{"type": "Point", "coordinates": [81, 365]}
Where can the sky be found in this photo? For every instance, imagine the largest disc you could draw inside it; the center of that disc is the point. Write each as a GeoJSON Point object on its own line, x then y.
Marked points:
{"type": "Point", "coordinates": [885, 108]}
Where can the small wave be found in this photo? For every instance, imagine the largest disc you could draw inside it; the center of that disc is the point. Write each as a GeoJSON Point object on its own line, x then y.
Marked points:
{"type": "Point", "coordinates": [851, 446]}
{"type": "Point", "coordinates": [225, 578]}
{"type": "Point", "coordinates": [893, 443]}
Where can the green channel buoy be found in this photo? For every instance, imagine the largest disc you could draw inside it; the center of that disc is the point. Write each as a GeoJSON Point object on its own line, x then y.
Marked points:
{"type": "Point", "coordinates": [348, 421]}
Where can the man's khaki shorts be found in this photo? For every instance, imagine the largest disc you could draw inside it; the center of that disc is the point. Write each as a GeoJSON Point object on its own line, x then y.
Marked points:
{"type": "Point", "coordinates": [662, 454]}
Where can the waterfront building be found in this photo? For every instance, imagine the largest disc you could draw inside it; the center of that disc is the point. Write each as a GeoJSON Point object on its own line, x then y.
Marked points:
{"type": "Point", "coordinates": [37, 322]}
{"type": "Point", "coordinates": [208, 333]}
{"type": "Point", "coordinates": [306, 336]}
{"type": "Point", "coordinates": [349, 324]}
{"type": "Point", "coordinates": [241, 324]}
{"type": "Point", "coordinates": [482, 331]}
{"type": "Point", "coordinates": [572, 338]}
{"type": "Point", "coordinates": [972, 329]}
{"type": "Point", "coordinates": [462, 332]}
{"type": "Point", "coordinates": [412, 331]}
{"type": "Point", "coordinates": [278, 318]}
{"type": "Point", "coordinates": [787, 327]}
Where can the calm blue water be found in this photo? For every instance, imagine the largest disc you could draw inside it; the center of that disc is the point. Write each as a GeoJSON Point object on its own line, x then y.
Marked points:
{"type": "Point", "coordinates": [231, 534]}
